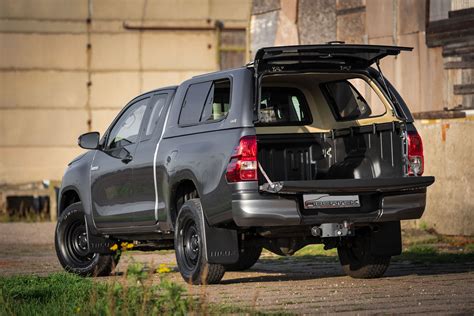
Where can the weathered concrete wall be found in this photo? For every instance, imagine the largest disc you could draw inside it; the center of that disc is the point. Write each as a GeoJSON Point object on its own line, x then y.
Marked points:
{"type": "Point", "coordinates": [448, 148]}
{"type": "Point", "coordinates": [53, 87]}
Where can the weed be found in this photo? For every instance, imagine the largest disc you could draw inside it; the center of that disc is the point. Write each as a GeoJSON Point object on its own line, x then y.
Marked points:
{"type": "Point", "coordinates": [469, 247]}
{"type": "Point", "coordinates": [423, 225]}
{"type": "Point", "coordinates": [422, 249]}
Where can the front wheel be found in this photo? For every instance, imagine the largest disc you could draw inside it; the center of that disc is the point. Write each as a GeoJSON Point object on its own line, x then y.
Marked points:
{"type": "Point", "coordinates": [72, 249]}
{"type": "Point", "coordinates": [189, 242]}
{"type": "Point", "coordinates": [359, 263]}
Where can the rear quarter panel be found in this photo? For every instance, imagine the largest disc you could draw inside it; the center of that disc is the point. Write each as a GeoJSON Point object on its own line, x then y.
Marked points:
{"type": "Point", "coordinates": [201, 152]}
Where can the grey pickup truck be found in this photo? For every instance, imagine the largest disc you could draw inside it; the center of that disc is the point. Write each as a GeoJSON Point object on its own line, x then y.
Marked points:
{"type": "Point", "coordinates": [306, 145]}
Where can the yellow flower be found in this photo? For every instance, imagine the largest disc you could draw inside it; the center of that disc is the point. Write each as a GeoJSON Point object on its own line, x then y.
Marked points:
{"type": "Point", "coordinates": [130, 246]}
{"type": "Point", "coordinates": [163, 268]}
{"type": "Point", "coordinates": [114, 247]}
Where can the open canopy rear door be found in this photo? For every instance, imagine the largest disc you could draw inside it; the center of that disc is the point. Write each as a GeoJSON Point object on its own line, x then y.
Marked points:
{"type": "Point", "coordinates": [328, 56]}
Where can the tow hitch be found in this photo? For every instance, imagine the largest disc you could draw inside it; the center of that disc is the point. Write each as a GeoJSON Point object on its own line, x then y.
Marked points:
{"type": "Point", "coordinates": [333, 230]}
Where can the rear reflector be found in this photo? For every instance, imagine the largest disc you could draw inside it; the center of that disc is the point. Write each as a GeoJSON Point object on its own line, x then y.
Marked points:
{"type": "Point", "coordinates": [243, 162]}
{"type": "Point", "coordinates": [415, 154]}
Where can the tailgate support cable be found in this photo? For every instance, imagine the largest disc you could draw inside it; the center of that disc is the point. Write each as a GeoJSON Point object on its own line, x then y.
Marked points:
{"type": "Point", "coordinates": [390, 95]}
{"type": "Point", "coordinates": [272, 187]}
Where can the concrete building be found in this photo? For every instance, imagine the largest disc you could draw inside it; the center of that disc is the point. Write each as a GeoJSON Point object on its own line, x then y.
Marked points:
{"type": "Point", "coordinates": [436, 79]}
{"type": "Point", "coordinates": [68, 67]}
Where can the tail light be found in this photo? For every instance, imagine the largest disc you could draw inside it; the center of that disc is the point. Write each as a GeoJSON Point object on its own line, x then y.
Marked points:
{"type": "Point", "coordinates": [243, 163]}
{"type": "Point", "coordinates": [415, 154]}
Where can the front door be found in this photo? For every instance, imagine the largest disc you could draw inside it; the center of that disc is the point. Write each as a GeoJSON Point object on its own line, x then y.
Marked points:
{"type": "Point", "coordinates": [112, 168]}
{"type": "Point", "coordinates": [144, 184]}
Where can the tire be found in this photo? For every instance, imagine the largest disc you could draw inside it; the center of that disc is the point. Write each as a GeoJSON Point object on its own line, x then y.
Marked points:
{"type": "Point", "coordinates": [189, 238]}
{"type": "Point", "coordinates": [357, 261]}
{"type": "Point", "coordinates": [71, 246]}
{"type": "Point", "coordinates": [247, 258]}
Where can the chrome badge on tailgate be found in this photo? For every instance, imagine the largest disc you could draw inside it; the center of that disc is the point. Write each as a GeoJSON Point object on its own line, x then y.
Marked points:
{"type": "Point", "coordinates": [317, 201]}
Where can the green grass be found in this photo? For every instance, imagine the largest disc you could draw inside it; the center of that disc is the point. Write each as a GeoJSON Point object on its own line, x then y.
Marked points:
{"type": "Point", "coordinates": [66, 294]}
{"type": "Point", "coordinates": [316, 250]}
{"type": "Point", "coordinates": [431, 254]}
{"type": "Point", "coordinates": [415, 253]}
{"type": "Point", "coordinates": [57, 294]}
{"type": "Point", "coordinates": [134, 294]}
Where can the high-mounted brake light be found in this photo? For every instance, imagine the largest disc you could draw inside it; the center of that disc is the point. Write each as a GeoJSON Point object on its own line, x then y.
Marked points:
{"type": "Point", "coordinates": [415, 154]}
{"type": "Point", "coordinates": [243, 162]}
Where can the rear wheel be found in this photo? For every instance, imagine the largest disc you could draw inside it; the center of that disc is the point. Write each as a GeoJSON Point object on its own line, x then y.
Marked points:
{"type": "Point", "coordinates": [358, 262]}
{"type": "Point", "coordinates": [247, 258]}
{"type": "Point", "coordinates": [189, 242]}
{"type": "Point", "coordinates": [72, 249]}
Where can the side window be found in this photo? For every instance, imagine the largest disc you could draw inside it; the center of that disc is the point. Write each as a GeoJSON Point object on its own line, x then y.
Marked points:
{"type": "Point", "coordinates": [352, 99]}
{"type": "Point", "coordinates": [157, 108]}
{"type": "Point", "coordinates": [193, 103]}
{"type": "Point", "coordinates": [283, 106]}
{"type": "Point", "coordinates": [127, 128]}
{"type": "Point", "coordinates": [218, 101]}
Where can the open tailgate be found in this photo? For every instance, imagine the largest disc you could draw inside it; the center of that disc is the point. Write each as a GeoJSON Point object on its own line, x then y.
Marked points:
{"type": "Point", "coordinates": [342, 56]}
{"type": "Point", "coordinates": [339, 186]}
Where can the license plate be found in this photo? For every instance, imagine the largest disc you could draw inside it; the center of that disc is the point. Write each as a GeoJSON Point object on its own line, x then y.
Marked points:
{"type": "Point", "coordinates": [319, 201]}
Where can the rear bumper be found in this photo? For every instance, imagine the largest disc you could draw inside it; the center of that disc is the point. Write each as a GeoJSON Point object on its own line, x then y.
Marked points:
{"type": "Point", "coordinates": [259, 210]}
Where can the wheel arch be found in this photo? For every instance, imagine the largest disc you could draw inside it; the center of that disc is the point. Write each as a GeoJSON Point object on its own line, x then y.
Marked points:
{"type": "Point", "coordinates": [181, 190]}
{"type": "Point", "coordinates": [69, 195]}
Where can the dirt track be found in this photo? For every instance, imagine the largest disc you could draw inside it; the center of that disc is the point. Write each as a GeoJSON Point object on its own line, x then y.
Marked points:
{"type": "Point", "coordinates": [293, 285]}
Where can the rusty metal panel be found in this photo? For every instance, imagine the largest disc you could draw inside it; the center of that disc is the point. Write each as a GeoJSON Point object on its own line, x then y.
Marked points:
{"type": "Point", "coordinates": [316, 21]}
{"type": "Point", "coordinates": [351, 27]}
{"type": "Point", "coordinates": [232, 49]}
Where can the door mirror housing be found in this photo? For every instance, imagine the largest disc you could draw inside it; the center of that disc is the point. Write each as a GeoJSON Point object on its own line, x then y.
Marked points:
{"type": "Point", "coordinates": [89, 140]}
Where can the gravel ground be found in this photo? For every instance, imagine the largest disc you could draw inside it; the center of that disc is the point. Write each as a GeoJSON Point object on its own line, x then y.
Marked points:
{"type": "Point", "coordinates": [295, 285]}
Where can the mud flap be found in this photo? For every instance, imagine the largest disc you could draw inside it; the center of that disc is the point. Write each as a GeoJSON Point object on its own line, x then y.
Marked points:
{"type": "Point", "coordinates": [386, 239]}
{"type": "Point", "coordinates": [99, 244]}
{"type": "Point", "coordinates": [222, 245]}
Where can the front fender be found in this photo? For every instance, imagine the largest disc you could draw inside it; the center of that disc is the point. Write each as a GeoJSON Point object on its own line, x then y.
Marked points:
{"type": "Point", "coordinates": [77, 178]}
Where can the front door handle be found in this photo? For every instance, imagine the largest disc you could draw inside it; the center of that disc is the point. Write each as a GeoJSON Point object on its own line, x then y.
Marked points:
{"type": "Point", "coordinates": [127, 159]}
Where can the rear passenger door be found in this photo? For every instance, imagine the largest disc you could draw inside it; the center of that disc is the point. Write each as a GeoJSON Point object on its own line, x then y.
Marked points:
{"type": "Point", "coordinates": [143, 179]}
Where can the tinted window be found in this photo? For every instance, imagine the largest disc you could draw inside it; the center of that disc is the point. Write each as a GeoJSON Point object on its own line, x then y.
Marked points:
{"type": "Point", "coordinates": [157, 108]}
{"type": "Point", "coordinates": [350, 99]}
{"type": "Point", "coordinates": [283, 106]}
{"type": "Point", "coordinates": [193, 103]}
{"type": "Point", "coordinates": [218, 101]}
{"type": "Point", "coordinates": [127, 128]}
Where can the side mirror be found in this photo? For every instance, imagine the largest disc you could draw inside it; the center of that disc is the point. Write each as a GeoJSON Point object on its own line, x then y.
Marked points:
{"type": "Point", "coordinates": [89, 140]}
